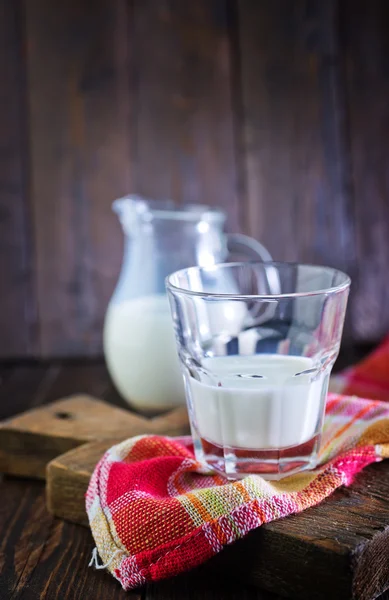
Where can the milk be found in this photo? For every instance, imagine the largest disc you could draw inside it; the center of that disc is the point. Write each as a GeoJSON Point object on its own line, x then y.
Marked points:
{"type": "Point", "coordinates": [257, 402]}
{"type": "Point", "coordinates": [141, 352]}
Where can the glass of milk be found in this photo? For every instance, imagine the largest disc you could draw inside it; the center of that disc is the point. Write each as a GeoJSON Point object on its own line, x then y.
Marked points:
{"type": "Point", "coordinates": [139, 343]}
{"type": "Point", "coordinates": [256, 393]}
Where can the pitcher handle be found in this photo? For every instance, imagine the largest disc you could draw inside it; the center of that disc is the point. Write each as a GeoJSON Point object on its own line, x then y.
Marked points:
{"type": "Point", "coordinates": [254, 250]}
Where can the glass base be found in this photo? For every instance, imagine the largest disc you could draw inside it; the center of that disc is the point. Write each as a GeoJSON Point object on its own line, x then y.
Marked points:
{"type": "Point", "coordinates": [272, 464]}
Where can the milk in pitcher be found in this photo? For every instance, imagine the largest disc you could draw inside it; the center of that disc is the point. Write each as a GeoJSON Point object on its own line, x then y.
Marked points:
{"type": "Point", "coordinates": [141, 352]}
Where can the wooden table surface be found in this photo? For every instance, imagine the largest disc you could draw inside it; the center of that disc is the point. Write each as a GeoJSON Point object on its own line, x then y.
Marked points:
{"type": "Point", "coordinates": [47, 559]}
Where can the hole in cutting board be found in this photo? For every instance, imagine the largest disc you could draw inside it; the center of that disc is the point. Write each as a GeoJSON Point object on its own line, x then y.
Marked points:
{"type": "Point", "coordinates": [63, 415]}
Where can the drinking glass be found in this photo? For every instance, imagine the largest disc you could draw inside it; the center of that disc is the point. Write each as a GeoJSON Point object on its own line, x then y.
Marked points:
{"type": "Point", "coordinates": [256, 364]}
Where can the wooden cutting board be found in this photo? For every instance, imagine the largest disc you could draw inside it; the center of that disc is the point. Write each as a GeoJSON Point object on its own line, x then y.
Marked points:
{"type": "Point", "coordinates": [31, 440]}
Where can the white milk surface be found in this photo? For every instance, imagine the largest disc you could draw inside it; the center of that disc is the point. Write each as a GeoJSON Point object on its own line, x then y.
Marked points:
{"type": "Point", "coordinates": [141, 352]}
{"type": "Point", "coordinates": [277, 410]}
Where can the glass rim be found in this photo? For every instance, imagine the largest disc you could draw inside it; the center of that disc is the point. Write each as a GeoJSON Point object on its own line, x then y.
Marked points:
{"type": "Point", "coordinates": [344, 285]}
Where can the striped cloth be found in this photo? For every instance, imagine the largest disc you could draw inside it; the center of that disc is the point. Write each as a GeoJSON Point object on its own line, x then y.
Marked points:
{"type": "Point", "coordinates": [369, 378]}
{"type": "Point", "coordinates": [155, 512]}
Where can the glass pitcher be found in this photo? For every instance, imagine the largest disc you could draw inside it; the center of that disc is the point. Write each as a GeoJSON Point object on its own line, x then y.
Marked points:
{"type": "Point", "coordinates": [139, 343]}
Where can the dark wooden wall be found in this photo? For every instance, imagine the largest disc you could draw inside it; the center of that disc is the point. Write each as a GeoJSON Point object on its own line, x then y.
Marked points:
{"type": "Point", "coordinates": [277, 110]}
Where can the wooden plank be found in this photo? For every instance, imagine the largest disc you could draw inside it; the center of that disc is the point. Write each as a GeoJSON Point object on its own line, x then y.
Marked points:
{"type": "Point", "coordinates": [42, 557]}
{"type": "Point", "coordinates": [299, 201]}
{"type": "Point", "coordinates": [364, 27]}
{"type": "Point", "coordinates": [30, 440]}
{"type": "Point", "coordinates": [84, 137]}
{"type": "Point", "coordinates": [78, 101]}
{"type": "Point", "coordinates": [182, 118]}
{"type": "Point", "coordinates": [17, 302]}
